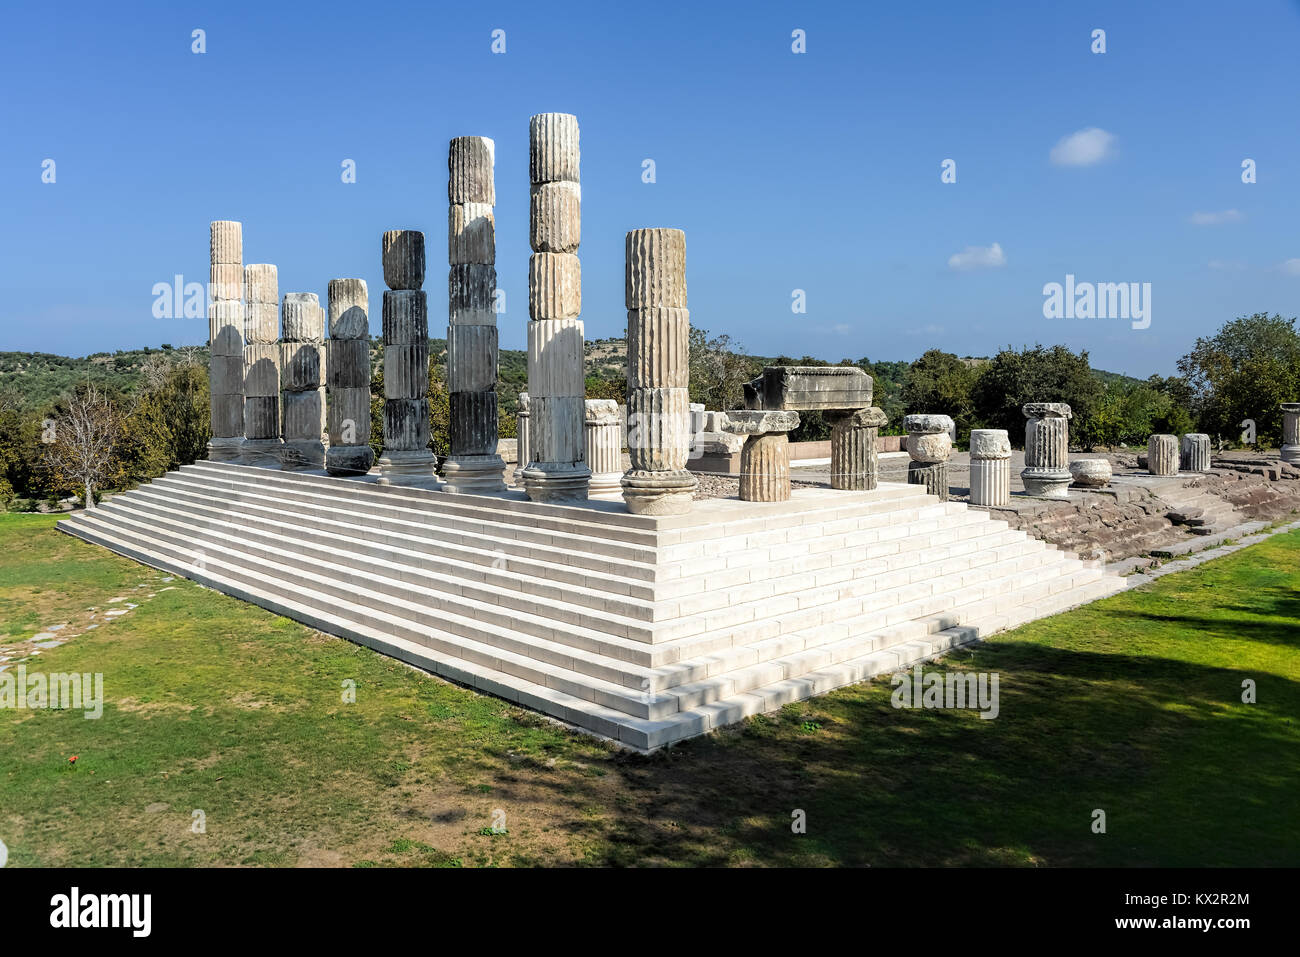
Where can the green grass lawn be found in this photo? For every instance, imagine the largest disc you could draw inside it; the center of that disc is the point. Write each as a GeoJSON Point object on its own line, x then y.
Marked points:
{"type": "Point", "coordinates": [1131, 705]}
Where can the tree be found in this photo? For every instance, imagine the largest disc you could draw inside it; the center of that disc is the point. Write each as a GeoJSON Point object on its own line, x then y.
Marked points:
{"type": "Point", "coordinates": [1245, 371]}
{"type": "Point", "coordinates": [940, 383]}
{"type": "Point", "coordinates": [719, 371]}
{"type": "Point", "coordinates": [82, 441]}
{"type": "Point", "coordinates": [1011, 379]}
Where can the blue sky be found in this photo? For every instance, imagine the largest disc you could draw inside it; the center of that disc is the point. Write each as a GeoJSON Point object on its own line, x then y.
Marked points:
{"type": "Point", "coordinates": [817, 171]}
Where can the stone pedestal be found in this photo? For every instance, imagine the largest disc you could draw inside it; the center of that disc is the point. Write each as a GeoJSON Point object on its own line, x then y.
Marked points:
{"type": "Point", "coordinates": [604, 448]}
{"type": "Point", "coordinates": [348, 379]}
{"type": "Point", "coordinates": [226, 335]}
{"type": "Point", "coordinates": [406, 459]}
{"type": "Point", "coordinates": [301, 405]}
{"type": "Point", "coordinates": [765, 457]}
{"type": "Point", "coordinates": [556, 383]}
{"type": "Point", "coordinates": [990, 467]}
{"type": "Point", "coordinates": [659, 430]}
{"type": "Point", "coordinates": [473, 464]}
{"type": "Point", "coordinates": [522, 445]}
{"type": "Point", "coordinates": [929, 443]}
{"type": "Point", "coordinates": [1162, 455]}
{"type": "Point", "coordinates": [1195, 452]}
{"type": "Point", "coordinates": [855, 466]}
{"type": "Point", "coordinates": [1291, 432]}
{"type": "Point", "coordinates": [1090, 473]}
{"type": "Point", "coordinates": [1047, 449]}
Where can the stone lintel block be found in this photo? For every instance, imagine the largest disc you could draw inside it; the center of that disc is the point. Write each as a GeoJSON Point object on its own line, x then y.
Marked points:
{"type": "Point", "coordinates": [472, 358]}
{"type": "Point", "coordinates": [403, 256]}
{"type": "Point", "coordinates": [555, 217]}
{"type": "Point", "coordinates": [262, 322]}
{"type": "Point", "coordinates": [406, 424]}
{"type": "Point", "coordinates": [226, 282]}
{"type": "Point", "coordinates": [927, 424]}
{"type": "Point", "coordinates": [473, 423]}
{"type": "Point", "coordinates": [555, 358]}
{"type": "Point", "coordinates": [303, 413]}
{"type": "Point", "coordinates": [810, 388]}
{"type": "Point", "coordinates": [554, 286]}
{"type": "Point", "coordinates": [262, 284]}
{"type": "Point", "coordinates": [348, 365]}
{"type": "Point", "coordinates": [758, 422]}
{"type": "Point", "coordinates": [553, 148]}
{"type": "Point", "coordinates": [262, 416]}
{"type": "Point", "coordinates": [226, 242]}
{"type": "Point", "coordinates": [300, 366]}
{"type": "Point", "coordinates": [405, 317]}
{"type": "Point", "coordinates": [226, 375]}
{"type": "Point", "coordinates": [990, 444]}
{"type": "Point", "coordinates": [1046, 410]}
{"type": "Point", "coordinates": [470, 177]}
{"type": "Point", "coordinates": [262, 369]}
{"type": "Point", "coordinates": [655, 269]}
{"type": "Point", "coordinates": [349, 309]}
{"type": "Point", "coordinates": [471, 234]}
{"type": "Point", "coordinates": [658, 348]}
{"type": "Point", "coordinates": [348, 416]}
{"type": "Point", "coordinates": [406, 371]}
{"type": "Point", "coordinates": [303, 318]}
{"type": "Point", "coordinates": [471, 294]}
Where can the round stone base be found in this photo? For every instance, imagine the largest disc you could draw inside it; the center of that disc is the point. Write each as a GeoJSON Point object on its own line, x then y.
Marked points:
{"type": "Point", "coordinates": [1291, 454]}
{"type": "Point", "coordinates": [473, 474]}
{"type": "Point", "coordinates": [225, 450]}
{"type": "Point", "coordinates": [1047, 483]}
{"type": "Point", "coordinates": [606, 485]}
{"type": "Point", "coordinates": [262, 453]}
{"type": "Point", "coordinates": [349, 459]}
{"type": "Point", "coordinates": [1090, 473]}
{"type": "Point", "coordinates": [415, 468]}
{"type": "Point", "coordinates": [301, 455]}
{"type": "Point", "coordinates": [558, 483]}
{"type": "Point", "coordinates": [659, 493]}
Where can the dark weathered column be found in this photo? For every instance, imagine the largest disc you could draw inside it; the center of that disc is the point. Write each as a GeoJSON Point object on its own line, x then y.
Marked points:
{"type": "Point", "coordinates": [226, 336]}
{"type": "Point", "coordinates": [301, 347]}
{"type": "Point", "coordinates": [855, 464]}
{"type": "Point", "coordinates": [262, 443]}
{"type": "Point", "coordinates": [347, 379]}
{"type": "Point", "coordinates": [406, 459]}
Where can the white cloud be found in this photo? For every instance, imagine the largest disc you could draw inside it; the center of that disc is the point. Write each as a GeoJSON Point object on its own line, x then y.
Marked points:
{"type": "Point", "coordinates": [978, 257]}
{"type": "Point", "coordinates": [1084, 148]}
{"type": "Point", "coordinates": [1223, 265]}
{"type": "Point", "coordinates": [1216, 219]}
{"type": "Point", "coordinates": [1291, 267]}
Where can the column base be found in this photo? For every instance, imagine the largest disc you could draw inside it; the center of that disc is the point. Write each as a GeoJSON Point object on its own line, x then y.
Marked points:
{"type": "Point", "coordinates": [302, 455]}
{"type": "Point", "coordinates": [349, 459]}
{"type": "Point", "coordinates": [225, 450]}
{"type": "Point", "coordinates": [473, 474]}
{"type": "Point", "coordinates": [606, 485]}
{"type": "Point", "coordinates": [1291, 454]}
{"type": "Point", "coordinates": [262, 453]}
{"type": "Point", "coordinates": [659, 493]}
{"type": "Point", "coordinates": [557, 483]}
{"type": "Point", "coordinates": [1047, 483]}
{"type": "Point", "coordinates": [416, 468]}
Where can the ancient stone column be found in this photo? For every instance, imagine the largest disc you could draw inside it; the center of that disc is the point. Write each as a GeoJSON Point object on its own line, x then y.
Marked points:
{"type": "Point", "coordinates": [604, 448]}
{"type": "Point", "coordinates": [1047, 449]}
{"type": "Point", "coordinates": [262, 443]}
{"type": "Point", "coordinates": [522, 446]}
{"type": "Point", "coordinates": [765, 457]}
{"type": "Point", "coordinates": [406, 459]}
{"type": "Point", "coordinates": [226, 335]}
{"type": "Point", "coordinates": [473, 464]}
{"type": "Point", "coordinates": [1162, 454]}
{"type": "Point", "coordinates": [556, 383]}
{"type": "Point", "coordinates": [1291, 432]}
{"type": "Point", "coordinates": [658, 374]}
{"type": "Point", "coordinates": [1195, 452]}
{"type": "Point", "coordinates": [347, 375]}
{"type": "Point", "coordinates": [990, 467]}
{"type": "Point", "coordinates": [929, 443]}
{"type": "Point", "coordinates": [301, 346]}
{"type": "Point", "coordinates": [854, 462]}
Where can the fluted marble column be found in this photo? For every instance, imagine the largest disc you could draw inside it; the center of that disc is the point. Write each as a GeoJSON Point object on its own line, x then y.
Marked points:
{"type": "Point", "coordinates": [1047, 449]}
{"type": "Point", "coordinates": [604, 448]}
{"type": "Point", "coordinates": [226, 335]}
{"type": "Point", "coordinates": [301, 347]}
{"type": "Point", "coordinates": [1162, 454]}
{"type": "Point", "coordinates": [990, 467]}
{"type": "Point", "coordinates": [262, 442]}
{"type": "Point", "coordinates": [929, 443]}
{"type": "Point", "coordinates": [473, 464]}
{"type": "Point", "coordinates": [658, 374]}
{"type": "Point", "coordinates": [348, 379]}
{"type": "Point", "coordinates": [406, 459]}
{"type": "Point", "coordinates": [765, 456]}
{"type": "Point", "coordinates": [556, 383]}
{"type": "Point", "coordinates": [1195, 452]}
{"type": "Point", "coordinates": [855, 465]}
{"type": "Point", "coordinates": [1291, 432]}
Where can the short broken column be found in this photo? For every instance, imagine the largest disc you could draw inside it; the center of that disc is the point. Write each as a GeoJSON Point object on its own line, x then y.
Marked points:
{"type": "Point", "coordinates": [855, 465]}
{"type": "Point", "coordinates": [658, 374]}
{"type": "Point", "coordinates": [765, 457]}
{"type": "Point", "coordinates": [929, 443]}
{"type": "Point", "coordinates": [1291, 432]}
{"type": "Point", "coordinates": [1047, 449]}
{"type": "Point", "coordinates": [604, 448]}
{"type": "Point", "coordinates": [262, 442]}
{"type": "Point", "coordinates": [521, 439]}
{"type": "Point", "coordinates": [1090, 473]}
{"type": "Point", "coordinates": [556, 383]}
{"type": "Point", "coordinates": [1162, 454]}
{"type": "Point", "coordinates": [301, 345]}
{"type": "Point", "coordinates": [473, 464]}
{"type": "Point", "coordinates": [226, 338]}
{"type": "Point", "coordinates": [990, 467]}
{"type": "Point", "coordinates": [1195, 452]}
{"type": "Point", "coordinates": [347, 374]}
{"type": "Point", "coordinates": [406, 459]}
